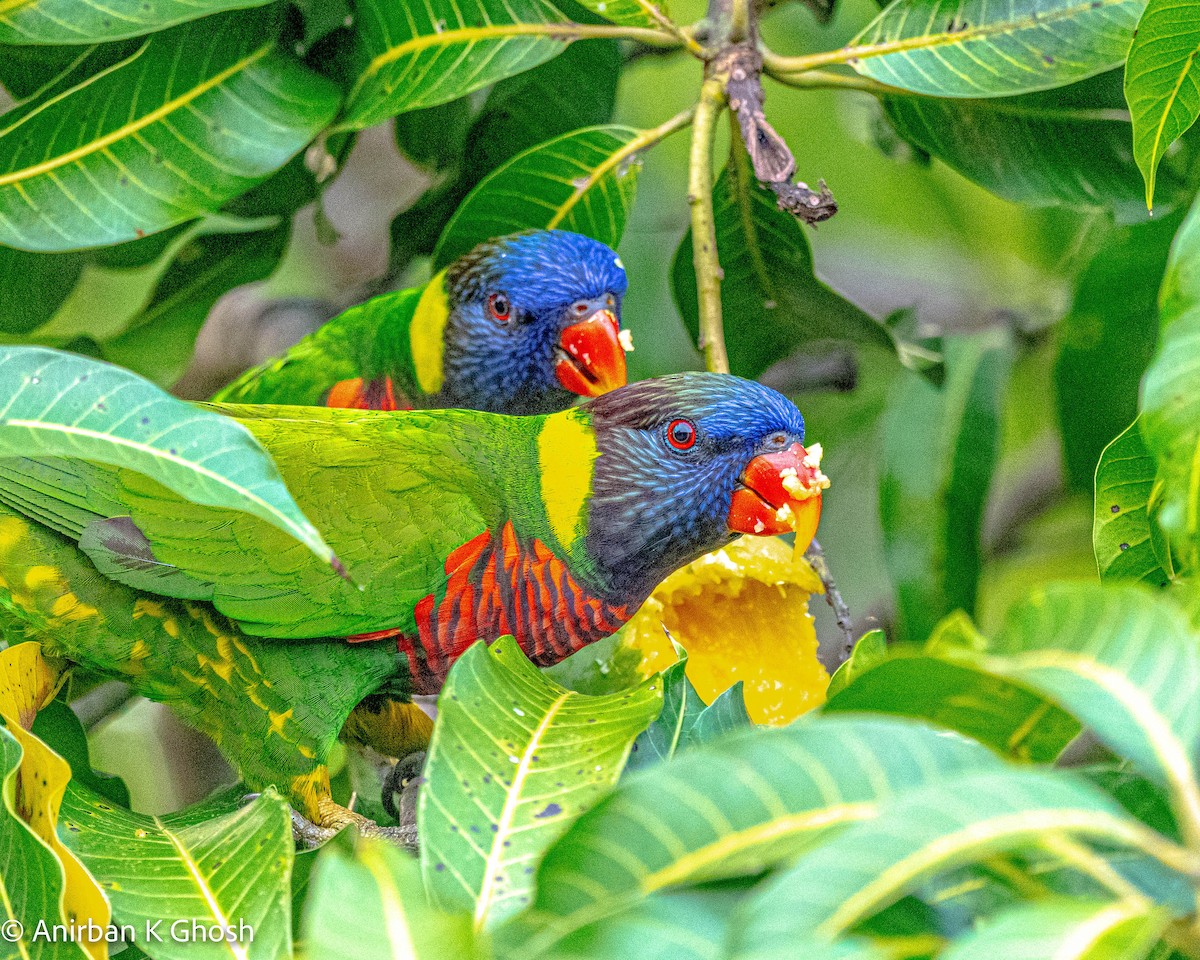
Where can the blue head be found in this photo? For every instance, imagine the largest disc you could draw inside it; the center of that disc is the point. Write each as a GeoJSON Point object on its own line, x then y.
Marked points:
{"type": "Point", "coordinates": [687, 463]}
{"type": "Point", "coordinates": [533, 323]}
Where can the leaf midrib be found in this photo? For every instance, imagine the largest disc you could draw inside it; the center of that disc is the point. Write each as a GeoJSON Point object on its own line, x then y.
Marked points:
{"type": "Point", "coordinates": [141, 123]}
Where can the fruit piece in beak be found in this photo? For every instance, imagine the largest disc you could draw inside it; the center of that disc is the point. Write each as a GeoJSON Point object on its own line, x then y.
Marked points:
{"type": "Point", "coordinates": [779, 492]}
{"type": "Point", "coordinates": [590, 358]}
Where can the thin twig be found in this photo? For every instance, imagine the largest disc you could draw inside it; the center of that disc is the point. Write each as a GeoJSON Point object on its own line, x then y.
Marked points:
{"type": "Point", "coordinates": [833, 596]}
{"type": "Point", "coordinates": [828, 80]}
{"type": "Point", "coordinates": [704, 230]}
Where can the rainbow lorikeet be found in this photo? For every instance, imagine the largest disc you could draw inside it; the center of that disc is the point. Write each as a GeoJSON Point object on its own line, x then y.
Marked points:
{"type": "Point", "coordinates": [453, 525]}
{"type": "Point", "coordinates": [523, 324]}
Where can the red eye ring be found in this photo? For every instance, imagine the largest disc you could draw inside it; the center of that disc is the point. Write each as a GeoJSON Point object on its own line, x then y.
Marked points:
{"type": "Point", "coordinates": [500, 307]}
{"type": "Point", "coordinates": [681, 434]}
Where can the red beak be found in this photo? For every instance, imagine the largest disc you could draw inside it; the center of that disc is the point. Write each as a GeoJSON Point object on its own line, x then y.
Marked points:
{"type": "Point", "coordinates": [772, 482]}
{"type": "Point", "coordinates": [590, 358]}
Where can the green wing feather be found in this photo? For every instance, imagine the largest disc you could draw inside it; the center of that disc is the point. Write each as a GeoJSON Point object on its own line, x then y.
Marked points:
{"type": "Point", "coordinates": [393, 493]}
{"type": "Point", "coordinates": [370, 340]}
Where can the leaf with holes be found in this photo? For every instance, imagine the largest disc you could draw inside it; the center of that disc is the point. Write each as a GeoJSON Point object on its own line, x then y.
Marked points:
{"type": "Point", "coordinates": [157, 140]}
{"type": "Point", "coordinates": [918, 836]}
{"type": "Point", "coordinates": [971, 48]}
{"type": "Point", "coordinates": [514, 759]}
{"type": "Point", "coordinates": [378, 894]}
{"type": "Point", "coordinates": [733, 808]}
{"type": "Point", "coordinates": [584, 181]}
{"type": "Point", "coordinates": [62, 405]}
{"type": "Point", "coordinates": [1162, 81]}
{"type": "Point", "coordinates": [1064, 147]}
{"type": "Point", "coordinates": [1066, 930]}
{"type": "Point", "coordinates": [773, 303]}
{"type": "Point", "coordinates": [1123, 534]}
{"type": "Point", "coordinates": [215, 864]}
{"type": "Point", "coordinates": [86, 21]}
{"type": "Point", "coordinates": [420, 55]}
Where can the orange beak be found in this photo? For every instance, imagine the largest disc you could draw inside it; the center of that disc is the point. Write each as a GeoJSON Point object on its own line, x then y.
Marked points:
{"type": "Point", "coordinates": [590, 358]}
{"type": "Point", "coordinates": [779, 492]}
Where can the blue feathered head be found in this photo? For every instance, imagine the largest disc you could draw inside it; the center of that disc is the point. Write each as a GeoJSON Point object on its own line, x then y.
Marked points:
{"type": "Point", "coordinates": [534, 322]}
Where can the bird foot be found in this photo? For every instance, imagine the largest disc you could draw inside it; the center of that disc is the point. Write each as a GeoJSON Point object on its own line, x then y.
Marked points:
{"type": "Point", "coordinates": [404, 781]}
{"type": "Point", "coordinates": [333, 818]}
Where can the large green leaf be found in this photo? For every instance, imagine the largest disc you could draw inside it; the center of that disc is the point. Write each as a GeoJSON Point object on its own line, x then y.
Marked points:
{"type": "Point", "coordinates": [87, 21]}
{"type": "Point", "coordinates": [939, 449]}
{"type": "Point", "coordinates": [1064, 147]}
{"type": "Point", "coordinates": [31, 876]}
{"type": "Point", "coordinates": [941, 690]}
{"type": "Point", "coordinates": [372, 906]}
{"type": "Point", "coordinates": [34, 285]}
{"type": "Point", "coordinates": [1106, 341]}
{"type": "Point", "coordinates": [576, 89]}
{"type": "Point", "coordinates": [1066, 930]}
{"type": "Point", "coordinates": [1162, 81]}
{"type": "Point", "coordinates": [1122, 533]}
{"type": "Point", "coordinates": [61, 405]}
{"type": "Point", "coordinates": [1171, 394]}
{"type": "Point", "coordinates": [514, 759]}
{"type": "Point", "coordinates": [631, 13]}
{"type": "Point", "coordinates": [1125, 661]}
{"type": "Point", "coordinates": [208, 865]}
{"type": "Point", "coordinates": [157, 140]}
{"type": "Point", "coordinates": [583, 181]}
{"type": "Point", "coordinates": [420, 55]}
{"type": "Point", "coordinates": [772, 302]}
{"type": "Point", "coordinates": [732, 808]}
{"type": "Point", "coordinates": [916, 837]}
{"type": "Point", "coordinates": [972, 48]}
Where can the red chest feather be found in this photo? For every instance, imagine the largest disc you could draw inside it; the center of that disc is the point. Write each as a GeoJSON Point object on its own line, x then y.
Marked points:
{"type": "Point", "coordinates": [499, 586]}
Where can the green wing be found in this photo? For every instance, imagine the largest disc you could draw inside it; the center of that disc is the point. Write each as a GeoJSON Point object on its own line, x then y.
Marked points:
{"type": "Point", "coordinates": [393, 493]}
{"type": "Point", "coordinates": [366, 341]}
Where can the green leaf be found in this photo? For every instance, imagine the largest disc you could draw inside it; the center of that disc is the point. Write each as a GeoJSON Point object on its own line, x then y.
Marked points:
{"type": "Point", "coordinates": [57, 725]}
{"type": "Point", "coordinates": [412, 56]}
{"type": "Point", "coordinates": [1122, 534]}
{"type": "Point", "coordinates": [631, 13]}
{"type": "Point", "coordinates": [34, 285]}
{"type": "Point", "coordinates": [156, 140]}
{"type": "Point", "coordinates": [948, 692]}
{"type": "Point", "coordinates": [1106, 341]}
{"type": "Point", "coordinates": [1125, 662]}
{"type": "Point", "coordinates": [916, 837]}
{"type": "Point", "coordinates": [685, 720]}
{"type": "Point", "coordinates": [772, 302]}
{"type": "Point", "coordinates": [62, 405]}
{"type": "Point", "coordinates": [87, 21]}
{"type": "Point", "coordinates": [1065, 147]}
{"type": "Point", "coordinates": [31, 876]}
{"type": "Point", "coordinates": [971, 48]}
{"type": "Point", "coordinates": [939, 449]}
{"type": "Point", "coordinates": [584, 181]}
{"type": "Point", "coordinates": [1065, 930]}
{"type": "Point", "coordinates": [576, 89]}
{"type": "Point", "coordinates": [870, 650]}
{"type": "Point", "coordinates": [513, 761]}
{"type": "Point", "coordinates": [1162, 81]}
{"type": "Point", "coordinates": [734, 808]}
{"type": "Point", "coordinates": [159, 341]}
{"type": "Point", "coordinates": [208, 864]}
{"type": "Point", "coordinates": [372, 906]}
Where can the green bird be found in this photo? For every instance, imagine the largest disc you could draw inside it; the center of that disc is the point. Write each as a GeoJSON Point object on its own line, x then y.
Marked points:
{"type": "Point", "coordinates": [453, 526]}
{"type": "Point", "coordinates": [523, 324]}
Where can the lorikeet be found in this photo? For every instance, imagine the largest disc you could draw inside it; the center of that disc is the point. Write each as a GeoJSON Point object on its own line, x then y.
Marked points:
{"type": "Point", "coordinates": [523, 324]}
{"type": "Point", "coordinates": [453, 525]}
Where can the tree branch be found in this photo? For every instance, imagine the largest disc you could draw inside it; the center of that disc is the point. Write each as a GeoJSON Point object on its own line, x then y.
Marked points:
{"type": "Point", "coordinates": [833, 596]}
{"type": "Point", "coordinates": [704, 231]}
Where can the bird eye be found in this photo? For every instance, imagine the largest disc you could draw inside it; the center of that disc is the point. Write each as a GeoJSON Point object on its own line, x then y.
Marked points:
{"type": "Point", "coordinates": [779, 440]}
{"type": "Point", "coordinates": [681, 434]}
{"type": "Point", "coordinates": [500, 307]}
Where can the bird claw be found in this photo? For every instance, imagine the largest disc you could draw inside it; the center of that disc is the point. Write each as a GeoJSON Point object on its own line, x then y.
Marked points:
{"type": "Point", "coordinates": [404, 780]}
{"type": "Point", "coordinates": [333, 818]}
